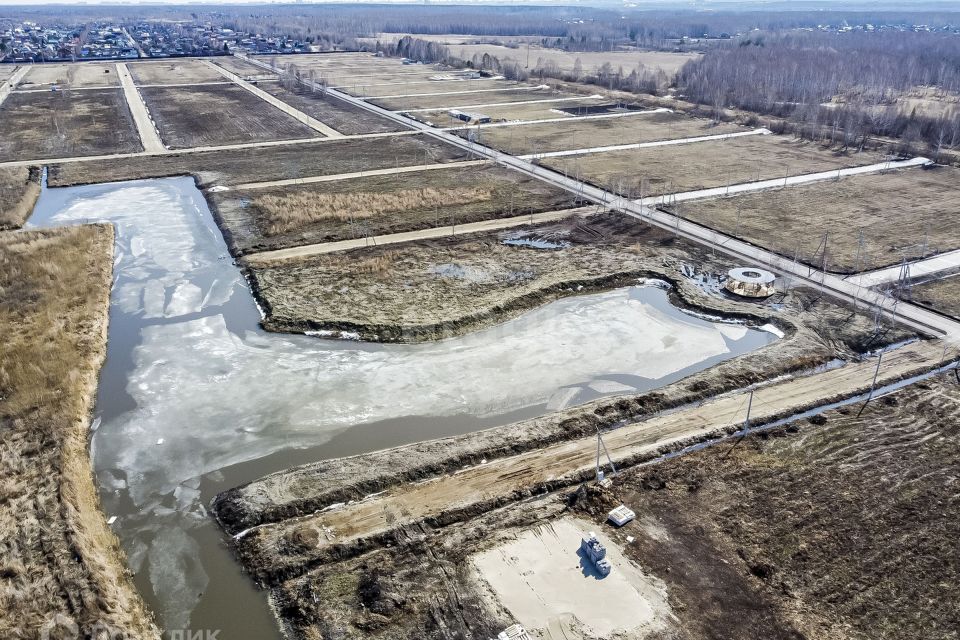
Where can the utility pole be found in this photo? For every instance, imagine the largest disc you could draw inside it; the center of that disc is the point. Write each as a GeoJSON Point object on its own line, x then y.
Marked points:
{"type": "Point", "coordinates": [746, 423]}
{"type": "Point", "coordinates": [613, 467]}
{"type": "Point", "coordinates": [873, 384]}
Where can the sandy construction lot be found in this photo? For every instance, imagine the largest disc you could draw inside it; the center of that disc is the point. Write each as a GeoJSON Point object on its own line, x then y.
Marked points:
{"type": "Point", "coordinates": [218, 114]}
{"type": "Point", "coordinates": [701, 165]}
{"type": "Point", "coordinates": [65, 124]}
{"type": "Point", "coordinates": [82, 74]}
{"type": "Point", "coordinates": [896, 211]}
{"type": "Point", "coordinates": [552, 589]}
{"type": "Point", "coordinates": [181, 71]}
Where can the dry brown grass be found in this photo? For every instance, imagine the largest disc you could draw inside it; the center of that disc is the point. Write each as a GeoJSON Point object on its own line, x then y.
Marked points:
{"type": "Point", "coordinates": [19, 190]}
{"type": "Point", "coordinates": [291, 211]}
{"type": "Point", "coordinates": [58, 554]}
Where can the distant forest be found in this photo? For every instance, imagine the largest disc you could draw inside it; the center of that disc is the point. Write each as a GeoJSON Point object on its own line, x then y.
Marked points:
{"type": "Point", "coordinates": [839, 87]}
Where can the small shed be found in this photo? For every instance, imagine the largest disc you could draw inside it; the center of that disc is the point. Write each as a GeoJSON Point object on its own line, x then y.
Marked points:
{"type": "Point", "coordinates": [514, 632]}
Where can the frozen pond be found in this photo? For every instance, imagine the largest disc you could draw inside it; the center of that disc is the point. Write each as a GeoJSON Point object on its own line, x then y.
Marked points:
{"type": "Point", "coordinates": [196, 398]}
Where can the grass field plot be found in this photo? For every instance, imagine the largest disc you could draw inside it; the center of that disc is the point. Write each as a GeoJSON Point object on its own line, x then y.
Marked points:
{"type": "Point", "coordinates": [66, 124]}
{"type": "Point", "coordinates": [479, 87]}
{"type": "Point", "coordinates": [578, 134]}
{"type": "Point", "coordinates": [218, 115]}
{"type": "Point", "coordinates": [702, 165]}
{"type": "Point", "coordinates": [257, 164]}
{"type": "Point", "coordinates": [240, 67]}
{"type": "Point", "coordinates": [515, 112]}
{"type": "Point", "coordinates": [901, 214]}
{"type": "Point", "coordinates": [71, 76]}
{"type": "Point", "coordinates": [266, 219]}
{"type": "Point", "coordinates": [333, 112]}
{"type": "Point", "coordinates": [173, 71]}
{"type": "Point", "coordinates": [418, 85]}
{"type": "Point", "coordinates": [942, 295]}
{"type": "Point", "coordinates": [7, 70]}
{"type": "Point", "coordinates": [467, 99]}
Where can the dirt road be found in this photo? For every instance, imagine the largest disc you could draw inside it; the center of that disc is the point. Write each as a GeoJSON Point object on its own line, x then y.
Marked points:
{"type": "Point", "coordinates": [305, 251]}
{"type": "Point", "coordinates": [148, 133]}
{"type": "Point", "coordinates": [7, 87]}
{"type": "Point", "coordinates": [347, 176]}
{"type": "Point", "coordinates": [643, 145]}
{"type": "Point", "coordinates": [313, 123]}
{"type": "Point", "coordinates": [566, 461]}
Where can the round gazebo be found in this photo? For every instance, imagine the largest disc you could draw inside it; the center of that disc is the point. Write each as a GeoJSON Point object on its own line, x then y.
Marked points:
{"type": "Point", "coordinates": [750, 282]}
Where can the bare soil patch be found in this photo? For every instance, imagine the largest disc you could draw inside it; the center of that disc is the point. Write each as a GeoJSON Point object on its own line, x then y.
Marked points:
{"type": "Point", "coordinates": [280, 162]}
{"type": "Point", "coordinates": [342, 116]}
{"type": "Point", "coordinates": [58, 554]}
{"type": "Point", "coordinates": [702, 165]}
{"type": "Point", "coordinates": [66, 124]}
{"type": "Point", "coordinates": [19, 190]}
{"type": "Point", "coordinates": [175, 71]}
{"type": "Point", "coordinates": [538, 138]}
{"type": "Point", "coordinates": [900, 213]}
{"type": "Point", "coordinates": [266, 219]}
{"type": "Point", "coordinates": [218, 115]}
{"type": "Point", "coordinates": [71, 76]}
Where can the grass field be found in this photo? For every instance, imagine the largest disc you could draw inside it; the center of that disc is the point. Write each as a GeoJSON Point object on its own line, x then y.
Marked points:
{"type": "Point", "coordinates": [895, 211]}
{"type": "Point", "coordinates": [329, 211]}
{"type": "Point", "coordinates": [466, 46]}
{"type": "Point", "coordinates": [218, 114]}
{"type": "Point", "coordinates": [71, 76]}
{"type": "Point", "coordinates": [465, 99]}
{"type": "Point", "coordinates": [239, 67]}
{"type": "Point", "coordinates": [420, 86]}
{"type": "Point", "coordinates": [597, 133]}
{"type": "Point", "coordinates": [942, 295]}
{"type": "Point", "coordinates": [701, 165]}
{"type": "Point", "coordinates": [58, 554]}
{"type": "Point", "coordinates": [177, 71]}
{"type": "Point", "coordinates": [518, 112]}
{"type": "Point", "coordinates": [7, 70]}
{"type": "Point", "coordinates": [19, 190]}
{"type": "Point", "coordinates": [66, 124]}
{"type": "Point", "coordinates": [340, 115]}
{"type": "Point", "coordinates": [281, 162]}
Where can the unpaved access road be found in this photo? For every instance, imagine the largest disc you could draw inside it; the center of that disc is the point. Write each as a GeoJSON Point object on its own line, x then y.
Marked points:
{"type": "Point", "coordinates": [306, 251]}
{"type": "Point", "coordinates": [313, 123]}
{"type": "Point", "coordinates": [12, 82]}
{"type": "Point", "coordinates": [566, 461]}
{"type": "Point", "coordinates": [355, 174]}
{"type": "Point", "coordinates": [643, 145]}
{"type": "Point", "coordinates": [148, 133]}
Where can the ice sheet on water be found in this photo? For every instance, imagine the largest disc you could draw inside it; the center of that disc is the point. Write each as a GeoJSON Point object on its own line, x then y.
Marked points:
{"type": "Point", "coordinates": [175, 571]}
{"type": "Point", "coordinates": [186, 299]}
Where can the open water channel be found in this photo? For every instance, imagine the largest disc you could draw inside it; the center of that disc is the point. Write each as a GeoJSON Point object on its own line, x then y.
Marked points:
{"type": "Point", "coordinates": [195, 398]}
